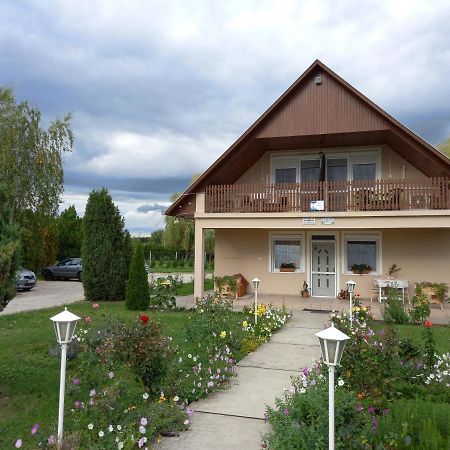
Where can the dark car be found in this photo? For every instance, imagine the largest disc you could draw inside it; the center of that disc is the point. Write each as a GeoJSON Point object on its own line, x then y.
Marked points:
{"type": "Point", "coordinates": [66, 269]}
{"type": "Point", "coordinates": [25, 280]}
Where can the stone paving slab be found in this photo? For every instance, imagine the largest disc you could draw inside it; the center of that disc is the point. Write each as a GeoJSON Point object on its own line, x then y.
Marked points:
{"type": "Point", "coordinates": [256, 387]}
{"type": "Point", "coordinates": [211, 431]}
{"type": "Point", "coordinates": [282, 357]}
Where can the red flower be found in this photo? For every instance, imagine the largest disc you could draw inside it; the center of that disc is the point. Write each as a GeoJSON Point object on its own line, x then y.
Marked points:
{"type": "Point", "coordinates": [144, 318]}
{"type": "Point", "coordinates": [428, 323]}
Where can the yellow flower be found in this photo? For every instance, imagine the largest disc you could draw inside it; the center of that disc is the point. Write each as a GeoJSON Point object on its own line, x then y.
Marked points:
{"type": "Point", "coordinates": [356, 308]}
{"type": "Point", "coordinates": [364, 308]}
{"type": "Point", "coordinates": [223, 334]}
{"type": "Point", "coordinates": [261, 309]}
{"type": "Point", "coordinates": [161, 399]}
{"type": "Point", "coordinates": [245, 324]}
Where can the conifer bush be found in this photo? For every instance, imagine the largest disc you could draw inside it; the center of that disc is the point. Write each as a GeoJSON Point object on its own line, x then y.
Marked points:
{"type": "Point", "coordinates": [137, 296]}
{"type": "Point", "coordinates": [103, 252]}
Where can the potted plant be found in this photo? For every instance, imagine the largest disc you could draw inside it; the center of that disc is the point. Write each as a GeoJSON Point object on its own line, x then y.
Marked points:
{"type": "Point", "coordinates": [361, 269]}
{"type": "Point", "coordinates": [393, 269]}
{"type": "Point", "coordinates": [287, 267]}
{"type": "Point", "coordinates": [436, 292]}
{"type": "Point", "coordinates": [305, 290]}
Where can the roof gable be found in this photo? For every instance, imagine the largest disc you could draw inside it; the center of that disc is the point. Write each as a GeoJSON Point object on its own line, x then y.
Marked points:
{"type": "Point", "coordinates": [334, 113]}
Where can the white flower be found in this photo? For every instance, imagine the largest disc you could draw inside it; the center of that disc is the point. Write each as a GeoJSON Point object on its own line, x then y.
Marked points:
{"type": "Point", "coordinates": [119, 427]}
{"type": "Point", "coordinates": [91, 426]}
{"type": "Point", "coordinates": [120, 445]}
{"type": "Point", "coordinates": [431, 376]}
{"type": "Point", "coordinates": [117, 439]}
{"type": "Point", "coordinates": [341, 383]}
{"type": "Point", "coordinates": [110, 428]}
{"type": "Point", "coordinates": [142, 429]}
{"type": "Point", "coordinates": [176, 398]}
{"type": "Point", "coordinates": [302, 390]}
{"type": "Point", "coordinates": [189, 355]}
{"type": "Point", "coordinates": [186, 422]}
{"type": "Point", "coordinates": [145, 396]}
{"type": "Point", "coordinates": [101, 434]}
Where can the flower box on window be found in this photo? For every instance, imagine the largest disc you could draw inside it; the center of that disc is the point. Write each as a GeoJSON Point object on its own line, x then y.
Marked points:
{"type": "Point", "coordinates": [361, 269]}
{"type": "Point", "coordinates": [287, 267]}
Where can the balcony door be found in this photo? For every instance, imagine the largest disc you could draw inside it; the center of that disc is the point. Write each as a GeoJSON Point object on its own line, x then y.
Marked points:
{"type": "Point", "coordinates": [323, 266]}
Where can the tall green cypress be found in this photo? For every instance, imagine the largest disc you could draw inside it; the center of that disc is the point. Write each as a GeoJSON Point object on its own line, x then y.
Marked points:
{"type": "Point", "coordinates": [104, 274]}
{"type": "Point", "coordinates": [137, 295]}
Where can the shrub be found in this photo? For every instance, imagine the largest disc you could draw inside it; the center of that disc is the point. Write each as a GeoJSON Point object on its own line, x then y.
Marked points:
{"type": "Point", "coordinates": [163, 292]}
{"type": "Point", "coordinates": [143, 348]}
{"type": "Point", "coordinates": [104, 262]}
{"type": "Point", "coordinates": [394, 310]}
{"type": "Point", "coordinates": [137, 295]}
{"type": "Point", "coordinates": [420, 306]}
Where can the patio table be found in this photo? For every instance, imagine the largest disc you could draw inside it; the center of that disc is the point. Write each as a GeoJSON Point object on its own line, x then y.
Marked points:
{"type": "Point", "coordinates": [389, 283]}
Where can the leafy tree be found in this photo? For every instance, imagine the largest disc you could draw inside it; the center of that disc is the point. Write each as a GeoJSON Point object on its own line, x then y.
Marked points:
{"type": "Point", "coordinates": [31, 170]}
{"type": "Point", "coordinates": [103, 254]}
{"type": "Point", "coordinates": [445, 147]}
{"type": "Point", "coordinates": [9, 253]}
{"type": "Point", "coordinates": [127, 250]}
{"type": "Point", "coordinates": [137, 296]}
{"type": "Point", "coordinates": [70, 234]}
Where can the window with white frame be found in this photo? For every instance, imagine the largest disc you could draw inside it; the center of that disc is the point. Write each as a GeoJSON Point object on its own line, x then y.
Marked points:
{"type": "Point", "coordinates": [287, 249]}
{"type": "Point", "coordinates": [362, 249]}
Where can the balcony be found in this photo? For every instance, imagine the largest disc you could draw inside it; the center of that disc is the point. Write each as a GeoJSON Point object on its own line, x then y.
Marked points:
{"type": "Point", "coordinates": [361, 195]}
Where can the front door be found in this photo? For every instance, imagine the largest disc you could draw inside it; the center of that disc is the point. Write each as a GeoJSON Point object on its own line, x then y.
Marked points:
{"type": "Point", "coordinates": [323, 266]}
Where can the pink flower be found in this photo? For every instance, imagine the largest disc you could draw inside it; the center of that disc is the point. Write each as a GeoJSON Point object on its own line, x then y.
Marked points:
{"type": "Point", "coordinates": [285, 411]}
{"type": "Point", "coordinates": [76, 381]}
{"type": "Point", "coordinates": [51, 440]}
{"type": "Point", "coordinates": [88, 319]}
{"type": "Point", "coordinates": [190, 412]}
{"type": "Point", "coordinates": [371, 409]}
{"type": "Point", "coordinates": [18, 443]}
{"type": "Point", "coordinates": [144, 421]}
{"type": "Point", "coordinates": [359, 407]}
{"type": "Point", "coordinates": [77, 404]}
{"type": "Point", "coordinates": [95, 305]}
{"type": "Point", "coordinates": [35, 428]}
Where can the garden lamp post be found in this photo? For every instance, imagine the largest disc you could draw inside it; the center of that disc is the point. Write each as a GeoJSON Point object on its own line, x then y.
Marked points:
{"type": "Point", "coordinates": [64, 323]}
{"type": "Point", "coordinates": [256, 282]}
{"type": "Point", "coordinates": [332, 343]}
{"type": "Point", "coordinates": [351, 288]}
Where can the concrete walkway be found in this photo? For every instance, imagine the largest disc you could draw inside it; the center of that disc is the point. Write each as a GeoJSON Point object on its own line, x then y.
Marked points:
{"type": "Point", "coordinates": [234, 419]}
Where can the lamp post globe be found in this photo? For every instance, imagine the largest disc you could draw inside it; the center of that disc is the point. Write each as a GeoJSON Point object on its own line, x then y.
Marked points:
{"type": "Point", "coordinates": [256, 282]}
{"type": "Point", "coordinates": [64, 323]}
{"type": "Point", "coordinates": [351, 289]}
{"type": "Point", "coordinates": [332, 343]}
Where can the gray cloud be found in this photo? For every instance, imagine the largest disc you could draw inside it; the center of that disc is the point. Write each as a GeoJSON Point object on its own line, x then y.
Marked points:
{"type": "Point", "coordinates": [160, 89]}
{"type": "Point", "coordinates": [148, 208]}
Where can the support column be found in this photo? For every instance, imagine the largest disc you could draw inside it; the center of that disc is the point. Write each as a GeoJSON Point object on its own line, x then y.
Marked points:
{"type": "Point", "coordinates": [199, 263]}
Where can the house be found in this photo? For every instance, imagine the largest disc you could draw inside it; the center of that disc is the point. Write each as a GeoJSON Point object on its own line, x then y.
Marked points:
{"type": "Point", "coordinates": [324, 179]}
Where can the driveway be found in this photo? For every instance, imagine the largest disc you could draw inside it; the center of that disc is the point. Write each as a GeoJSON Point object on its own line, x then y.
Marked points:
{"type": "Point", "coordinates": [45, 295]}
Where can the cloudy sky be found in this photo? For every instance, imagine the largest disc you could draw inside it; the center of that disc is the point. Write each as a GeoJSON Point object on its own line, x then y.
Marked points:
{"type": "Point", "coordinates": [159, 89]}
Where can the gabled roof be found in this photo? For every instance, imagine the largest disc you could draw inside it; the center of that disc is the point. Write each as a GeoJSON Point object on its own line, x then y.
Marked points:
{"type": "Point", "coordinates": [305, 116]}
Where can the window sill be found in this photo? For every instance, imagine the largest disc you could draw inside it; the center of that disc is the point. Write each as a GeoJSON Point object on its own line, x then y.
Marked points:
{"type": "Point", "coordinates": [295, 271]}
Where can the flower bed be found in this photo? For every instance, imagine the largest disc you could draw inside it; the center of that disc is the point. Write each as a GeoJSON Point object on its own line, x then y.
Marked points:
{"type": "Point", "coordinates": [130, 383]}
{"type": "Point", "coordinates": [390, 393]}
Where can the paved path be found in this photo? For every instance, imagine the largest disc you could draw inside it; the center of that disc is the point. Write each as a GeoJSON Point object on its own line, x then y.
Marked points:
{"type": "Point", "coordinates": [45, 295]}
{"type": "Point", "coordinates": [233, 419]}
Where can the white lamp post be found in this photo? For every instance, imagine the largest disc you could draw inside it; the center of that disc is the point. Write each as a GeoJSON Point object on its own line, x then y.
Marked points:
{"type": "Point", "coordinates": [351, 288]}
{"type": "Point", "coordinates": [332, 343]}
{"type": "Point", "coordinates": [256, 282]}
{"type": "Point", "coordinates": [64, 323]}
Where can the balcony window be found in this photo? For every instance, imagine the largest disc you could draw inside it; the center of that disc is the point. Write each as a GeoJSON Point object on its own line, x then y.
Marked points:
{"type": "Point", "coordinates": [286, 249]}
{"type": "Point", "coordinates": [364, 171]}
{"type": "Point", "coordinates": [309, 170]}
{"type": "Point", "coordinates": [337, 169]}
{"type": "Point", "coordinates": [286, 175]}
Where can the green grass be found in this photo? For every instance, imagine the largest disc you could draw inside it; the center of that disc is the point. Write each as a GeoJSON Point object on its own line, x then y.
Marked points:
{"type": "Point", "coordinates": [177, 270]}
{"type": "Point", "coordinates": [29, 377]}
{"type": "Point", "coordinates": [188, 288]}
{"type": "Point", "coordinates": [441, 334]}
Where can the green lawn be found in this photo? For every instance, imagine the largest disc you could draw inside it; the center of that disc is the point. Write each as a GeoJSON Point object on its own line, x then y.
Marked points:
{"type": "Point", "coordinates": [441, 334]}
{"type": "Point", "coordinates": [188, 288]}
{"type": "Point", "coordinates": [29, 377]}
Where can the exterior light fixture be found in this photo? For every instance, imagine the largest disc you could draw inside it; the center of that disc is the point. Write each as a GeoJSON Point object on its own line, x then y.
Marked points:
{"type": "Point", "coordinates": [65, 323]}
{"type": "Point", "coordinates": [256, 282]}
{"type": "Point", "coordinates": [351, 289]}
{"type": "Point", "coordinates": [332, 343]}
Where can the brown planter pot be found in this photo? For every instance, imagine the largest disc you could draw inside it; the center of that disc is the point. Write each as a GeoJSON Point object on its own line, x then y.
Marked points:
{"type": "Point", "coordinates": [287, 269]}
{"type": "Point", "coordinates": [362, 272]}
{"type": "Point", "coordinates": [305, 294]}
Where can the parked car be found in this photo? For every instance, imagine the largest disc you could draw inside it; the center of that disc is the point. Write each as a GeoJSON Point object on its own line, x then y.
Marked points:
{"type": "Point", "coordinates": [66, 269]}
{"type": "Point", "coordinates": [25, 280]}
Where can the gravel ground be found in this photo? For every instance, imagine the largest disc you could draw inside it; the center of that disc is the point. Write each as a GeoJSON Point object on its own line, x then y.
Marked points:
{"type": "Point", "coordinates": [45, 295]}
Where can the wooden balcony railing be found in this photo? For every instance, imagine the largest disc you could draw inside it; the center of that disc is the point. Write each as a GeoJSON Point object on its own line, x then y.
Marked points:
{"type": "Point", "coordinates": [361, 195]}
